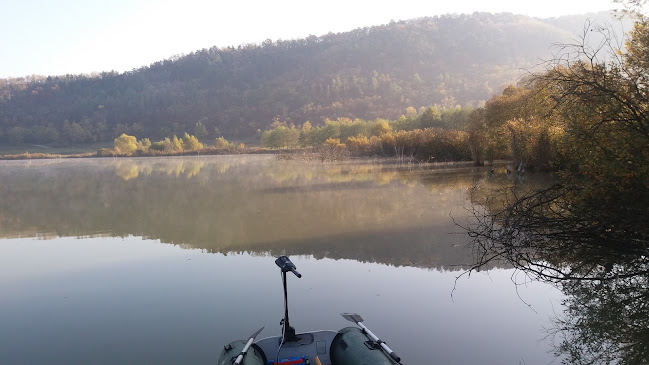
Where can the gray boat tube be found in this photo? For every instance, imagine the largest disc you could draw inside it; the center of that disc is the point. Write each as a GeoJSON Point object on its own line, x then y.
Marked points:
{"type": "Point", "coordinates": [253, 356]}
{"type": "Point", "coordinates": [352, 347]}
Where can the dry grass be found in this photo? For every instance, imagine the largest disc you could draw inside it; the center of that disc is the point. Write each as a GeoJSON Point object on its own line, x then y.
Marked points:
{"type": "Point", "coordinates": [39, 155]}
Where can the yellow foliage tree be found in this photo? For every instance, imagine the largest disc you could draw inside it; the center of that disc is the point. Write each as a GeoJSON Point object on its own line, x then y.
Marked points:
{"type": "Point", "coordinates": [176, 144]}
{"type": "Point", "coordinates": [221, 143]}
{"type": "Point", "coordinates": [125, 145]}
{"type": "Point", "coordinates": [334, 143]}
{"type": "Point", "coordinates": [143, 145]}
{"type": "Point", "coordinates": [358, 144]}
{"type": "Point", "coordinates": [380, 127]}
{"type": "Point", "coordinates": [191, 143]}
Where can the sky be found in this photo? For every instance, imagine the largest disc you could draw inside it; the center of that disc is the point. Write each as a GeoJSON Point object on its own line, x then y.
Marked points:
{"type": "Point", "coordinates": [57, 37]}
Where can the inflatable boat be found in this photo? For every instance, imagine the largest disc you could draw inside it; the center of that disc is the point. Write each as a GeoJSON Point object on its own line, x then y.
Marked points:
{"type": "Point", "coordinates": [349, 346]}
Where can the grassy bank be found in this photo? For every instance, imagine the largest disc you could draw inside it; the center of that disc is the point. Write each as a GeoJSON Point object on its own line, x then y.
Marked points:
{"type": "Point", "coordinates": [15, 153]}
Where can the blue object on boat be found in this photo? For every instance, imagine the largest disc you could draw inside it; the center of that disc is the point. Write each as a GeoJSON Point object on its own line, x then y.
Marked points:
{"type": "Point", "coordinates": [302, 360]}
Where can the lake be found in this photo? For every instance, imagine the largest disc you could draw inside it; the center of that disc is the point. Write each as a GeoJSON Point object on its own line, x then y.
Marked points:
{"type": "Point", "coordinates": [165, 260]}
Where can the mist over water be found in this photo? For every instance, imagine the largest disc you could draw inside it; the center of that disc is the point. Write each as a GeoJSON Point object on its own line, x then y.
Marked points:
{"type": "Point", "coordinates": [166, 260]}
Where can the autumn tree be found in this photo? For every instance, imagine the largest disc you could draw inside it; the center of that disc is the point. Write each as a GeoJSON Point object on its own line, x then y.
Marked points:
{"type": "Point", "coordinates": [587, 233]}
{"type": "Point", "coordinates": [125, 145]}
{"type": "Point", "coordinates": [281, 136]}
{"type": "Point", "coordinates": [591, 225]}
{"type": "Point", "coordinates": [379, 127]}
{"type": "Point", "coordinates": [306, 134]}
{"type": "Point", "coordinates": [176, 144]}
{"type": "Point", "coordinates": [430, 118]}
{"type": "Point", "coordinates": [221, 143]}
{"type": "Point", "coordinates": [144, 144]}
{"type": "Point", "coordinates": [191, 143]}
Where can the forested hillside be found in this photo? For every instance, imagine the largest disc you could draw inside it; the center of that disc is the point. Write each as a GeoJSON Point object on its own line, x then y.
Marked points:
{"type": "Point", "coordinates": [236, 91]}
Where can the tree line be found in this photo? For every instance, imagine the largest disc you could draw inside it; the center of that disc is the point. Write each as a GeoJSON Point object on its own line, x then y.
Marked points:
{"type": "Point", "coordinates": [367, 73]}
{"type": "Point", "coordinates": [433, 135]}
{"type": "Point", "coordinates": [126, 145]}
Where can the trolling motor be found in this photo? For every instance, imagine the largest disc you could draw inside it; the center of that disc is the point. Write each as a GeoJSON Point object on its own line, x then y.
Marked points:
{"type": "Point", "coordinates": [285, 264]}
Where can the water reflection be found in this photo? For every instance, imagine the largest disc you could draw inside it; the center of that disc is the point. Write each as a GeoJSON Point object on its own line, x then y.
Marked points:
{"type": "Point", "coordinates": [564, 237]}
{"type": "Point", "coordinates": [131, 169]}
{"type": "Point", "coordinates": [393, 214]}
{"type": "Point", "coordinates": [605, 321]}
{"type": "Point", "coordinates": [133, 301]}
{"type": "Point", "coordinates": [124, 275]}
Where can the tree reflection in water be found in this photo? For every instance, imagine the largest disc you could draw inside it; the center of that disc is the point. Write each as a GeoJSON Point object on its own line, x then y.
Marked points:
{"type": "Point", "coordinates": [554, 236]}
{"type": "Point", "coordinates": [605, 321]}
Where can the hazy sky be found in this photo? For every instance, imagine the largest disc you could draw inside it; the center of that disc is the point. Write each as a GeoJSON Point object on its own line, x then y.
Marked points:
{"type": "Point", "coordinates": [53, 37]}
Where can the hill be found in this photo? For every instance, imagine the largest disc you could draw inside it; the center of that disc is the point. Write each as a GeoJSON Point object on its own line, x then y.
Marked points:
{"type": "Point", "coordinates": [366, 73]}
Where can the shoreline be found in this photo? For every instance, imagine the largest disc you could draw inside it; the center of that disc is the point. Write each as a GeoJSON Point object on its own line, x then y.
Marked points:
{"type": "Point", "coordinates": [49, 156]}
{"type": "Point", "coordinates": [307, 155]}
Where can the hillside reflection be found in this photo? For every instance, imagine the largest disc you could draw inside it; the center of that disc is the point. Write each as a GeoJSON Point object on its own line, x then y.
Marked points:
{"type": "Point", "coordinates": [392, 214]}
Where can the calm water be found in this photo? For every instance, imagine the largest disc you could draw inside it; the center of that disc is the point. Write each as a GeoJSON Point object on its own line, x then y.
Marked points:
{"type": "Point", "coordinates": [107, 261]}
